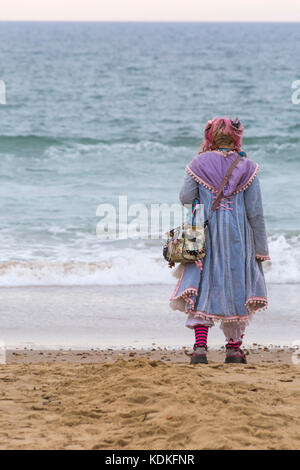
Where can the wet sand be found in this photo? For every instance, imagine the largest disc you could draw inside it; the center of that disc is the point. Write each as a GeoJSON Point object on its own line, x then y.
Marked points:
{"type": "Point", "coordinates": [135, 399]}
{"type": "Point", "coordinates": [82, 317]}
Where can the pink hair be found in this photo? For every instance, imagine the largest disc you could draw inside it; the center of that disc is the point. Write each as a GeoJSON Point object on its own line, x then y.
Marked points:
{"type": "Point", "coordinates": [225, 126]}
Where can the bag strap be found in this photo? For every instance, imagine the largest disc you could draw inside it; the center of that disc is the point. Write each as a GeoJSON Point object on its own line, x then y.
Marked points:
{"type": "Point", "coordinates": [220, 194]}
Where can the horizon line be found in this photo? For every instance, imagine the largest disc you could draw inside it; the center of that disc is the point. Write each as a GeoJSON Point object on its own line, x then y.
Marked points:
{"type": "Point", "coordinates": [147, 21]}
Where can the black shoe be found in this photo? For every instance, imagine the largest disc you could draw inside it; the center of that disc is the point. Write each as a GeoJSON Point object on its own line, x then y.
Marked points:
{"type": "Point", "coordinates": [235, 356]}
{"type": "Point", "coordinates": [199, 355]}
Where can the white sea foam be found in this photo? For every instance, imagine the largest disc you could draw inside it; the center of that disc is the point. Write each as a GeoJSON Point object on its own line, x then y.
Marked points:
{"type": "Point", "coordinates": [129, 266]}
{"type": "Point", "coordinates": [126, 268]}
{"type": "Point", "coordinates": [284, 267]}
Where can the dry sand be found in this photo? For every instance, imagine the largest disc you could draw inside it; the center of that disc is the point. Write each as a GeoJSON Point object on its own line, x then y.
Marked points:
{"type": "Point", "coordinates": [148, 400]}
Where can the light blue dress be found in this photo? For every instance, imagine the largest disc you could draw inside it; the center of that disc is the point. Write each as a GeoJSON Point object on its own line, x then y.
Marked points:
{"type": "Point", "coordinates": [231, 285]}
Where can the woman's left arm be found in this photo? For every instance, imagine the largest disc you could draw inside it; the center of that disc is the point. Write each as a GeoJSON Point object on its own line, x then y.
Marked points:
{"type": "Point", "coordinates": [255, 214]}
{"type": "Point", "coordinates": [189, 190]}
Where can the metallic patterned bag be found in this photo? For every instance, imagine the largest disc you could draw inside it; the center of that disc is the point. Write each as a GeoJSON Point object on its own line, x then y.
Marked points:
{"type": "Point", "coordinates": [186, 244]}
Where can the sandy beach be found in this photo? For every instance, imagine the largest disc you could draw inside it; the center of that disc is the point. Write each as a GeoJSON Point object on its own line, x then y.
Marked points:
{"type": "Point", "coordinates": [148, 399]}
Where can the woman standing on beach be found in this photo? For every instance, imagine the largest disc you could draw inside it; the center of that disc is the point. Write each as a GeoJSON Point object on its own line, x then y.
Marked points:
{"type": "Point", "coordinates": [231, 286]}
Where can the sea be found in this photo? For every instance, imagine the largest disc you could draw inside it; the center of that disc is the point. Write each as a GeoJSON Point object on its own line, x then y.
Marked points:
{"type": "Point", "coordinates": [95, 111]}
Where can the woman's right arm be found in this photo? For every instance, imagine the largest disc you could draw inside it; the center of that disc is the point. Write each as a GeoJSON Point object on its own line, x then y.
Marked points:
{"type": "Point", "coordinates": [189, 190]}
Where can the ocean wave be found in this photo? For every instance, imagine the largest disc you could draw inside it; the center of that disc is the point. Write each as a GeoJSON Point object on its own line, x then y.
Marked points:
{"type": "Point", "coordinates": [284, 267]}
{"type": "Point", "coordinates": [129, 266]}
{"type": "Point", "coordinates": [23, 143]}
{"type": "Point", "coordinates": [38, 143]}
{"type": "Point", "coordinates": [83, 147]}
{"type": "Point", "coordinates": [116, 270]}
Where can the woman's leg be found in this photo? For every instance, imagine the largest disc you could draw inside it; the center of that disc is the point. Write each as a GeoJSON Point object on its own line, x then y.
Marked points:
{"type": "Point", "coordinates": [201, 332]}
{"type": "Point", "coordinates": [200, 328]}
{"type": "Point", "coordinates": [234, 333]}
{"type": "Point", "coordinates": [200, 346]}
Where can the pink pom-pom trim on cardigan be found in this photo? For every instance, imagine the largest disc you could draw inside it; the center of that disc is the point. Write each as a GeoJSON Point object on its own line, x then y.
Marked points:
{"type": "Point", "coordinates": [263, 257]}
{"type": "Point", "coordinates": [214, 190]}
{"type": "Point", "coordinates": [252, 304]}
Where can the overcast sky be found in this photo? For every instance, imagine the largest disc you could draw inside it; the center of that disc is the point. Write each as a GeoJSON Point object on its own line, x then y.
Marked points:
{"type": "Point", "coordinates": [151, 10]}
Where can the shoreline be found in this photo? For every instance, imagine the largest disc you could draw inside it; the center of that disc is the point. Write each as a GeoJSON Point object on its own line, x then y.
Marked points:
{"type": "Point", "coordinates": [95, 317]}
{"type": "Point", "coordinates": [258, 354]}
